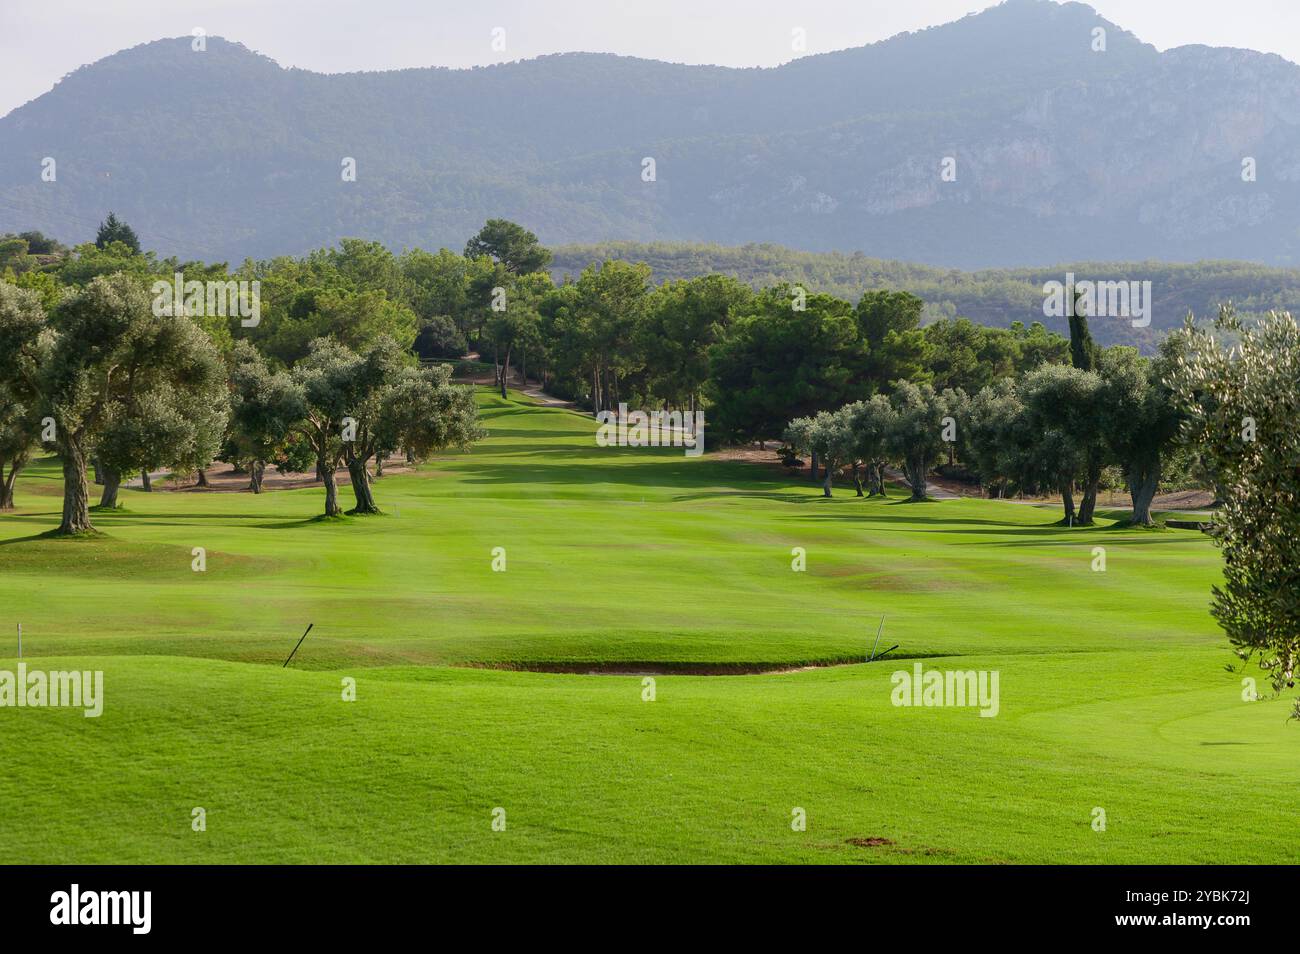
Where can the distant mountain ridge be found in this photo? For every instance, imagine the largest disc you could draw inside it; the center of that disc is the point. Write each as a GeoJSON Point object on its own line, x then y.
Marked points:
{"type": "Point", "coordinates": [1061, 153]}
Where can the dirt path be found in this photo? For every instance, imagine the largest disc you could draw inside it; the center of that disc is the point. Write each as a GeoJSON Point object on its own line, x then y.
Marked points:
{"type": "Point", "coordinates": [519, 384]}
{"type": "Point", "coordinates": [931, 489]}
{"type": "Point", "coordinates": [547, 400]}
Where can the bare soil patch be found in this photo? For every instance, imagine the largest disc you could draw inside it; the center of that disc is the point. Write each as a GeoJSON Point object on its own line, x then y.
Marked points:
{"type": "Point", "coordinates": [662, 668]}
{"type": "Point", "coordinates": [223, 478]}
{"type": "Point", "coordinates": [763, 457]}
{"type": "Point", "coordinates": [1108, 499]}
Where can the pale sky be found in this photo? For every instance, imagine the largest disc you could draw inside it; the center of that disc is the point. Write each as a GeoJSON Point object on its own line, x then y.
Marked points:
{"type": "Point", "coordinates": [42, 40]}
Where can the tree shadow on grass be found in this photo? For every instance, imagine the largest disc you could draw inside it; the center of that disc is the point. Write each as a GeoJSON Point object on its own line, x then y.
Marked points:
{"type": "Point", "coordinates": [552, 452]}
{"type": "Point", "coordinates": [1051, 534]}
{"type": "Point", "coordinates": [524, 432]}
{"type": "Point", "coordinates": [1142, 542]}
{"type": "Point", "coordinates": [86, 536]}
{"type": "Point", "coordinates": [315, 520]}
{"type": "Point", "coordinates": [161, 517]}
{"type": "Point", "coordinates": [937, 522]}
{"type": "Point", "coordinates": [777, 495]}
{"type": "Point", "coordinates": [500, 408]}
{"type": "Point", "coordinates": [576, 469]}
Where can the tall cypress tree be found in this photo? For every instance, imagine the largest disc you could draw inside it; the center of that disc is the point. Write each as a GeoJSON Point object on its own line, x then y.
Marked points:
{"type": "Point", "coordinates": [1083, 350]}
{"type": "Point", "coordinates": [1084, 355]}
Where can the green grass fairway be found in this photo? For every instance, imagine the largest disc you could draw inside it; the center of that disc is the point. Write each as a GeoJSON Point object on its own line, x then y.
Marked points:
{"type": "Point", "coordinates": [1113, 691]}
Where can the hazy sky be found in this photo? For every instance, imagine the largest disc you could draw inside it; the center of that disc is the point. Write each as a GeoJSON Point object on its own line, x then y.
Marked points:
{"type": "Point", "coordinates": [41, 40]}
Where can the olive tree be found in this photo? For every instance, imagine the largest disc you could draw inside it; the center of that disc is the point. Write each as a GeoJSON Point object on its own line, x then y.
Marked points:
{"type": "Point", "coordinates": [325, 382]}
{"type": "Point", "coordinates": [993, 439]}
{"type": "Point", "coordinates": [111, 357]}
{"type": "Point", "coordinates": [25, 339]}
{"type": "Point", "coordinates": [1241, 405]}
{"type": "Point", "coordinates": [135, 435]}
{"type": "Point", "coordinates": [1141, 420]}
{"type": "Point", "coordinates": [357, 405]}
{"type": "Point", "coordinates": [19, 436]}
{"type": "Point", "coordinates": [830, 436]}
{"type": "Point", "coordinates": [870, 422]}
{"type": "Point", "coordinates": [160, 423]}
{"type": "Point", "coordinates": [798, 437]}
{"type": "Point", "coordinates": [422, 411]}
{"type": "Point", "coordinates": [1062, 406]}
{"type": "Point", "coordinates": [917, 434]}
{"type": "Point", "coordinates": [265, 407]}
{"type": "Point", "coordinates": [416, 408]}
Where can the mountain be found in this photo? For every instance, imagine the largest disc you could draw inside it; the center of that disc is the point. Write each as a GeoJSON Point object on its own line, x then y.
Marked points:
{"type": "Point", "coordinates": [1062, 153]}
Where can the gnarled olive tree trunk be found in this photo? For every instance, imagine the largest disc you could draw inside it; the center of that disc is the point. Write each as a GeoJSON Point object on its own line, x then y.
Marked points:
{"type": "Point", "coordinates": [915, 469]}
{"type": "Point", "coordinates": [1091, 484]}
{"type": "Point", "coordinates": [1067, 500]}
{"type": "Point", "coordinates": [332, 508]}
{"type": "Point", "coordinates": [876, 479]}
{"type": "Point", "coordinates": [1087, 505]}
{"type": "Point", "coordinates": [1143, 480]}
{"type": "Point", "coordinates": [7, 481]}
{"type": "Point", "coordinates": [112, 481]}
{"type": "Point", "coordinates": [76, 489]}
{"type": "Point", "coordinates": [361, 486]}
{"type": "Point", "coordinates": [255, 472]}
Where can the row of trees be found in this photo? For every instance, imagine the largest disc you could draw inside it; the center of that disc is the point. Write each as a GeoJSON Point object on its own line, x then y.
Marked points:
{"type": "Point", "coordinates": [754, 359]}
{"type": "Point", "coordinates": [909, 427]}
{"type": "Point", "coordinates": [607, 335]}
{"type": "Point", "coordinates": [346, 408]}
{"type": "Point", "coordinates": [1055, 427]}
{"type": "Point", "coordinates": [1061, 426]}
{"type": "Point", "coordinates": [104, 379]}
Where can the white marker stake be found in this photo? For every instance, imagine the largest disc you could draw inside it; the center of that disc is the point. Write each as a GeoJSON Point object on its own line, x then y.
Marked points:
{"type": "Point", "coordinates": [879, 629]}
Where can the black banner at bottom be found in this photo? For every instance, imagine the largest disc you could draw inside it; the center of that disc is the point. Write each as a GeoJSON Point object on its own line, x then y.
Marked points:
{"type": "Point", "coordinates": [1220, 904]}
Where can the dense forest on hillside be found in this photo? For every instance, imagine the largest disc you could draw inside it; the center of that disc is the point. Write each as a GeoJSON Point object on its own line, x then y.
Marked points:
{"type": "Point", "coordinates": [993, 297]}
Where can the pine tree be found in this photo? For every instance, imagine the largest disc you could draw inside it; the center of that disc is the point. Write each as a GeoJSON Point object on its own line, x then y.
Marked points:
{"type": "Point", "coordinates": [114, 229]}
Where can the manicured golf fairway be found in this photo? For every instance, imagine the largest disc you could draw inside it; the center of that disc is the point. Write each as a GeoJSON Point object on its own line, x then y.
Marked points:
{"type": "Point", "coordinates": [1113, 692]}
